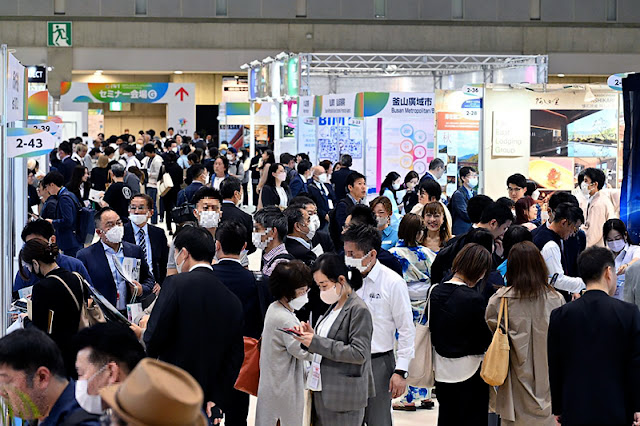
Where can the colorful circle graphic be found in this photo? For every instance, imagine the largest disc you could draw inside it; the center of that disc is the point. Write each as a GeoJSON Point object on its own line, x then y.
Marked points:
{"type": "Point", "coordinates": [406, 130]}
{"type": "Point", "coordinates": [420, 136]}
{"type": "Point", "coordinates": [406, 161]}
{"type": "Point", "coordinates": [419, 151]}
{"type": "Point", "coordinates": [419, 167]}
{"type": "Point", "coordinates": [406, 146]}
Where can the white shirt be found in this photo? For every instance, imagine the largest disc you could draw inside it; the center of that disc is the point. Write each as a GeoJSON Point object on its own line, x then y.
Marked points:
{"type": "Point", "coordinates": [121, 284]}
{"type": "Point", "coordinates": [325, 192]}
{"type": "Point", "coordinates": [133, 161]}
{"type": "Point", "coordinates": [283, 196]}
{"type": "Point", "coordinates": [201, 265]}
{"type": "Point", "coordinates": [147, 241]}
{"type": "Point", "coordinates": [322, 330]}
{"type": "Point", "coordinates": [387, 298]}
{"type": "Point", "coordinates": [153, 168]}
{"type": "Point", "coordinates": [455, 370]}
{"type": "Point", "coordinates": [217, 181]}
{"type": "Point", "coordinates": [553, 258]}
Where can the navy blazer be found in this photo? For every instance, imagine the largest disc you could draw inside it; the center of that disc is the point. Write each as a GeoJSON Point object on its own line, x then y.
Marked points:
{"type": "Point", "coordinates": [66, 168]}
{"type": "Point", "coordinates": [297, 185]}
{"type": "Point", "coordinates": [339, 180]}
{"type": "Point", "coordinates": [458, 208]}
{"type": "Point", "coordinates": [159, 249]}
{"type": "Point", "coordinates": [186, 195]}
{"type": "Point", "coordinates": [322, 201]}
{"type": "Point", "coordinates": [65, 221]}
{"type": "Point", "coordinates": [95, 260]}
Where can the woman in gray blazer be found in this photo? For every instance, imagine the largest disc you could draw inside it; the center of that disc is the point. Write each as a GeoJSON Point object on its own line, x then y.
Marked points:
{"type": "Point", "coordinates": [340, 377]}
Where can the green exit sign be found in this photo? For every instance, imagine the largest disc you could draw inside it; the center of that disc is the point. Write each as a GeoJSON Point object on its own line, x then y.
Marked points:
{"type": "Point", "coordinates": [59, 34]}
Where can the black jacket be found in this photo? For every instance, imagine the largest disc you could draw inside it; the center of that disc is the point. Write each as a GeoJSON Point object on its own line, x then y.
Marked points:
{"type": "Point", "coordinates": [197, 325]}
{"type": "Point", "coordinates": [300, 252]}
{"type": "Point", "coordinates": [232, 213]}
{"type": "Point", "coordinates": [269, 196]}
{"type": "Point", "coordinates": [159, 249]}
{"type": "Point", "coordinates": [322, 200]}
{"type": "Point", "coordinates": [594, 343]}
{"type": "Point", "coordinates": [243, 284]}
{"type": "Point", "coordinates": [457, 321]}
{"type": "Point", "coordinates": [99, 177]}
{"type": "Point", "coordinates": [337, 219]}
{"type": "Point", "coordinates": [339, 180]}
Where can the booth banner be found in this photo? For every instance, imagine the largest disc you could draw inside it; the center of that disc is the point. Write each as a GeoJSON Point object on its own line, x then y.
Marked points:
{"type": "Point", "coordinates": [306, 133]}
{"type": "Point", "coordinates": [305, 106]}
{"type": "Point", "coordinates": [15, 90]}
{"type": "Point", "coordinates": [510, 134]}
{"type": "Point", "coordinates": [338, 105]}
{"type": "Point", "coordinates": [395, 105]}
{"type": "Point", "coordinates": [235, 89]}
{"type": "Point", "coordinates": [38, 103]}
{"type": "Point", "coordinates": [340, 135]}
{"type": "Point", "coordinates": [48, 126]}
{"type": "Point", "coordinates": [25, 142]}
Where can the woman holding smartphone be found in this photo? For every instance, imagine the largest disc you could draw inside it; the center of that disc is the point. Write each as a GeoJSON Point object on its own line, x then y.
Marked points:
{"type": "Point", "coordinates": [340, 377]}
{"type": "Point", "coordinates": [281, 389]}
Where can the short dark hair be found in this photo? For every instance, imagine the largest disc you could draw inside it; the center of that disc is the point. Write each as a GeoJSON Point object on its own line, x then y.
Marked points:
{"type": "Point", "coordinates": [303, 156]}
{"type": "Point", "coordinates": [225, 161]}
{"type": "Point", "coordinates": [29, 349]}
{"type": "Point", "coordinates": [518, 180]}
{"type": "Point", "coordinates": [108, 342]}
{"type": "Point", "coordinates": [596, 175]}
{"type": "Point", "coordinates": [436, 163]}
{"type": "Point", "coordinates": [481, 236]}
{"type": "Point", "coordinates": [560, 197]}
{"type": "Point", "coordinates": [194, 158]}
{"type": "Point", "coordinates": [333, 266]}
{"type": "Point", "coordinates": [197, 170]}
{"type": "Point", "coordinates": [304, 166]}
{"type": "Point", "coordinates": [473, 262]}
{"type": "Point", "coordinates": [198, 242]}
{"type": "Point", "coordinates": [497, 211]}
{"type": "Point", "coordinates": [325, 164]}
{"type": "Point", "coordinates": [294, 215]}
{"type": "Point", "coordinates": [287, 277]}
{"type": "Point", "coordinates": [149, 148]}
{"type": "Point", "coordinates": [206, 192]}
{"type": "Point", "coordinates": [476, 205]}
{"type": "Point", "coordinates": [464, 171]}
{"type": "Point", "coordinates": [592, 263]}
{"type": "Point", "coordinates": [38, 227]}
{"type": "Point", "coordinates": [365, 237]}
{"type": "Point", "coordinates": [285, 158]}
{"type": "Point", "coordinates": [98, 216]}
{"type": "Point", "coordinates": [409, 228]}
{"type": "Point", "coordinates": [514, 235]}
{"type": "Point", "coordinates": [353, 177]}
{"type": "Point", "coordinates": [232, 236]}
{"type": "Point", "coordinates": [109, 150]}
{"type": "Point", "coordinates": [507, 202]}
{"type": "Point", "coordinates": [272, 217]}
{"type": "Point", "coordinates": [130, 148]}
{"type": "Point", "coordinates": [301, 201]}
{"type": "Point", "coordinates": [170, 128]}
{"type": "Point", "coordinates": [346, 160]}
{"type": "Point", "coordinates": [65, 147]}
{"type": "Point", "coordinates": [362, 215]}
{"type": "Point", "coordinates": [53, 177]}
{"type": "Point", "coordinates": [185, 149]}
{"type": "Point", "coordinates": [229, 186]}
{"type": "Point", "coordinates": [573, 214]}
{"type": "Point", "coordinates": [147, 199]}
{"type": "Point", "coordinates": [431, 188]}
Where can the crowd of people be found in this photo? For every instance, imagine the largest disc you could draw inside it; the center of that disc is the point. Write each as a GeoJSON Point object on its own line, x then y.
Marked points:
{"type": "Point", "coordinates": [346, 275]}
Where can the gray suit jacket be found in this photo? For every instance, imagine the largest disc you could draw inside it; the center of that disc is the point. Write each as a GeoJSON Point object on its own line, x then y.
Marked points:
{"type": "Point", "coordinates": [347, 379]}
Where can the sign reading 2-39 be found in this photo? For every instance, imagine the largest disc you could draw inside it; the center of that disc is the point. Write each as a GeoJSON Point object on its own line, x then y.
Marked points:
{"type": "Point", "coordinates": [26, 142]}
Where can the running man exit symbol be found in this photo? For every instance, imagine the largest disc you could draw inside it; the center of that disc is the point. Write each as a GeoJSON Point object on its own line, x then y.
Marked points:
{"type": "Point", "coordinates": [59, 34]}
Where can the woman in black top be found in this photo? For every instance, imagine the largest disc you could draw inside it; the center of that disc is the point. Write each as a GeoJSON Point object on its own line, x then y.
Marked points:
{"type": "Point", "coordinates": [275, 191]}
{"type": "Point", "coordinates": [54, 309]}
{"type": "Point", "coordinates": [100, 173]}
{"type": "Point", "coordinates": [79, 184]}
{"type": "Point", "coordinates": [460, 337]}
{"type": "Point", "coordinates": [170, 198]}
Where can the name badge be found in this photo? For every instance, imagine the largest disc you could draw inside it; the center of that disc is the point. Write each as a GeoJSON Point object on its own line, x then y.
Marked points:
{"type": "Point", "coordinates": [313, 380]}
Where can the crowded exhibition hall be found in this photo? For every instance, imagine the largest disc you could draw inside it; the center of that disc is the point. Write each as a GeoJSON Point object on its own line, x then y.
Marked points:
{"type": "Point", "coordinates": [304, 213]}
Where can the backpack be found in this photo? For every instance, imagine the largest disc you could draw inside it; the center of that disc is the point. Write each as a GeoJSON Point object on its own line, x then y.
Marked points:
{"type": "Point", "coordinates": [85, 225]}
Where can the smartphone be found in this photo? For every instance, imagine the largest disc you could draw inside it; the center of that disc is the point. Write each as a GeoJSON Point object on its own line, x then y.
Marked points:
{"type": "Point", "coordinates": [290, 331]}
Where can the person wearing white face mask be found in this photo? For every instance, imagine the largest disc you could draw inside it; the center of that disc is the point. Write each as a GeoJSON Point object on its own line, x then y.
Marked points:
{"type": "Point", "coordinates": [599, 207]}
{"type": "Point", "coordinates": [617, 240]}
{"type": "Point", "coordinates": [459, 200]}
{"type": "Point", "coordinates": [281, 388]}
{"type": "Point", "coordinates": [106, 355]}
{"type": "Point", "coordinates": [269, 231]}
{"type": "Point", "coordinates": [381, 207]}
{"type": "Point", "coordinates": [274, 192]}
{"type": "Point", "coordinates": [116, 267]}
{"type": "Point", "coordinates": [387, 297]}
{"type": "Point", "coordinates": [301, 232]}
{"type": "Point", "coordinates": [322, 193]}
{"type": "Point", "coordinates": [341, 375]}
{"type": "Point", "coordinates": [390, 187]}
{"type": "Point", "coordinates": [236, 168]}
{"type": "Point", "coordinates": [151, 239]}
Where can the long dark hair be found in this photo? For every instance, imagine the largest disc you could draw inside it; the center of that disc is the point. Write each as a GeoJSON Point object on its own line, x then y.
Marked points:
{"type": "Point", "coordinates": [527, 271]}
{"type": "Point", "coordinates": [271, 180]}
{"type": "Point", "coordinates": [615, 225]}
{"type": "Point", "coordinates": [39, 250]}
{"type": "Point", "coordinates": [271, 158]}
{"type": "Point", "coordinates": [387, 183]}
{"type": "Point", "coordinates": [333, 267]}
{"type": "Point", "coordinates": [76, 180]}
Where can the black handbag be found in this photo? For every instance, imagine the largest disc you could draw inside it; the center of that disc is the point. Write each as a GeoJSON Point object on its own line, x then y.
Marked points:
{"type": "Point", "coordinates": [183, 213]}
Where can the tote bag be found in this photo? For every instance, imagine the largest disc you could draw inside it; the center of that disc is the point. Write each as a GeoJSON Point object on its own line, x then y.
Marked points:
{"type": "Point", "coordinates": [89, 315]}
{"type": "Point", "coordinates": [165, 184]}
{"type": "Point", "coordinates": [496, 361]}
{"type": "Point", "coordinates": [249, 376]}
{"type": "Point", "coordinates": [421, 366]}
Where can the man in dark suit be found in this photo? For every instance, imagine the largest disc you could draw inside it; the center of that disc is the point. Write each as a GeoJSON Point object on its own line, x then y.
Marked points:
{"type": "Point", "coordinates": [357, 187]}
{"type": "Point", "coordinates": [197, 322]}
{"type": "Point", "coordinates": [300, 181]}
{"type": "Point", "coordinates": [66, 213]}
{"type": "Point", "coordinates": [339, 177]}
{"type": "Point", "coordinates": [231, 191]}
{"type": "Point", "coordinates": [300, 233]}
{"type": "Point", "coordinates": [322, 194]}
{"type": "Point", "coordinates": [66, 162]}
{"type": "Point", "coordinates": [200, 178]}
{"type": "Point", "coordinates": [594, 343]}
{"type": "Point", "coordinates": [459, 200]}
{"type": "Point", "coordinates": [106, 262]}
{"type": "Point", "coordinates": [436, 170]}
{"type": "Point", "coordinates": [230, 241]}
{"type": "Point", "coordinates": [151, 239]}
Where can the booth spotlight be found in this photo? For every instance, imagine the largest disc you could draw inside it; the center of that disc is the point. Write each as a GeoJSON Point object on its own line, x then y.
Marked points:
{"type": "Point", "coordinates": [244, 67]}
{"type": "Point", "coordinates": [177, 72]}
{"type": "Point", "coordinates": [588, 95]}
{"type": "Point", "coordinates": [255, 63]}
{"type": "Point", "coordinates": [267, 60]}
{"type": "Point", "coordinates": [98, 72]}
{"type": "Point", "coordinates": [282, 55]}
{"type": "Point", "coordinates": [49, 69]}
{"type": "Point", "coordinates": [560, 75]}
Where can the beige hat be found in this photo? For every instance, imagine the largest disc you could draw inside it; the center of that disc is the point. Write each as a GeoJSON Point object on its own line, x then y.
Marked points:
{"type": "Point", "coordinates": [156, 394]}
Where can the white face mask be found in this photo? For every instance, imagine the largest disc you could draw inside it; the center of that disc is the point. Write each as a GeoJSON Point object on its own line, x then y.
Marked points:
{"type": "Point", "coordinates": [240, 155]}
{"type": "Point", "coordinates": [617, 246]}
{"type": "Point", "coordinates": [352, 262]}
{"type": "Point", "coordinates": [115, 234]}
{"type": "Point", "coordinates": [396, 186]}
{"type": "Point", "coordinates": [179, 265]}
{"type": "Point", "coordinates": [282, 176]}
{"type": "Point", "coordinates": [138, 219]}
{"type": "Point", "coordinates": [585, 188]}
{"type": "Point", "coordinates": [89, 403]}
{"type": "Point", "coordinates": [314, 222]}
{"type": "Point", "coordinates": [323, 178]}
{"type": "Point", "coordinates": [382, 221]}
{"type": "Point", "coordinates": [330, 296]}
{"type": "Point", "coordinates": [256, 239]}
{"type": "Point", "coordinates": [230, 157]}
{"type": "Point", "coordinates": [299, 302]}
{"type": "Point", "coordinates": [473, 182]}
{"type": "Point", "coordinates": [535, 195]}
{"type": "Point", "coordinates": [209, 219]}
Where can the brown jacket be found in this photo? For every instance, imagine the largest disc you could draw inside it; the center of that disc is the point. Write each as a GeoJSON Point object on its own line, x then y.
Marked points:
{"type": "Point", "coordinates": [525, 397]}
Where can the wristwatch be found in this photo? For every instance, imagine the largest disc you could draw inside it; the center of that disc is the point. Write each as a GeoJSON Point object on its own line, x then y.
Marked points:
{"type": "Point", "coordinates": [402, 373]}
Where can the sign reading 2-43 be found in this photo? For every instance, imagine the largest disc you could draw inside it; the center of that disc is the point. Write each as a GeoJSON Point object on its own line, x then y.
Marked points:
{"type": "Point", "coordinates": [25, 142]}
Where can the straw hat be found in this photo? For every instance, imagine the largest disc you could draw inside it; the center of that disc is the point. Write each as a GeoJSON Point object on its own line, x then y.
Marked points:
{"type": "Point", "coordinates": [157, 393]}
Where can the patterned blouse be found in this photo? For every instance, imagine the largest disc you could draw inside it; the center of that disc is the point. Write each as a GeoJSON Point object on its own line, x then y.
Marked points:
{"type": "Point", "coordinates": [416, 267]}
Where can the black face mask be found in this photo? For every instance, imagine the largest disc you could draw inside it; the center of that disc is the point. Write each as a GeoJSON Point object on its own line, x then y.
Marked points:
{"type": "Point", "coordinates": [37, 272]}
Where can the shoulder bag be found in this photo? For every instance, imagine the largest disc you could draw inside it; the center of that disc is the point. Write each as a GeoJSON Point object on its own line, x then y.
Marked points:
{"type": "Point", "coordinates": [421, 366]}
{"type": "Point", "coordinates": [495, 366]}
{"type": "Point", "coordinates": [165, 183]}
{"type": "Point", "coordinates": [89, 315]}
{"type": "Point", "coordinates": [249, 376]}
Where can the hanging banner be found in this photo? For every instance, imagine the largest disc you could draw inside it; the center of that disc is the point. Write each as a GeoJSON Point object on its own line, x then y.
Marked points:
{"type": "Point", "coordinates": [24, 142]}
{"type": "Point", "coordinates": [395, 105]}
{"type": "Point", "coordinates": [38, 103]}
{"type": "Point", "coordinates": [44, 125]}
{"type": "Point", "coordinates": [15, 90]}
{"type": "Point", "coordinates": [338, 105]}
{"type": "Point", "coordinates": [305, 106]}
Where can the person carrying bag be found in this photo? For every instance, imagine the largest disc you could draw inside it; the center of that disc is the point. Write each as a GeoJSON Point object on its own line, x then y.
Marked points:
{"type": "Point", "coordinates": [421, 366]}
{"type": "Point", "coordinates": [89, 315]}
{"type": "Point", "coordinates": [495, 366]}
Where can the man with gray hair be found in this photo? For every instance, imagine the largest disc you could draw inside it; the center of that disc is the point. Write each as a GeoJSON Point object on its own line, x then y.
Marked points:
{"type": "Point", "coordinates": [339, 177]}
{"type": "Point", "coordinates": [269, 231]}
{"type": "Point", "coordinates": [119, 194]}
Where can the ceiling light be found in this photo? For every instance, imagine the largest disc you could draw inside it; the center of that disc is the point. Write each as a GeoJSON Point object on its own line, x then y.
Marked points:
{"type": "Point", "coordinates": [98, 72]}
{"type": "Point", "coordinates": [177, 72]}
{"type": "Point", "coordinates": [49, 69]}
{"type": "Point", "coordinates": [309, 36]}
{"type": "Point", "coordinates": [244, 66]}
{"type": "Point", "coordinates": [560, 75]}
